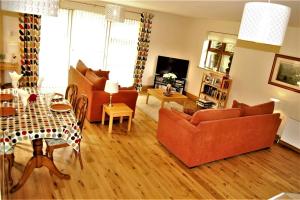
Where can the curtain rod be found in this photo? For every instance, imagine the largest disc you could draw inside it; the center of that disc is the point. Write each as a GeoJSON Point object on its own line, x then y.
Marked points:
{"type": "Point", "coordinates": [91, 4]}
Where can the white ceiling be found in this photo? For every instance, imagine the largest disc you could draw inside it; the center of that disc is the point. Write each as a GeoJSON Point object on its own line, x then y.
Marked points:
{"type": "Point", "coordinates": [215, 9]}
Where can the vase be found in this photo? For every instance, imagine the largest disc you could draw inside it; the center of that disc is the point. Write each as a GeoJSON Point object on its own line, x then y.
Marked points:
{"type": "Point", "coordinates": [168, 90]}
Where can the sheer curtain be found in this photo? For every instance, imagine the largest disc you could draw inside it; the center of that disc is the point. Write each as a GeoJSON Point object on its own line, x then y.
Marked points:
{"type": "Point", "coordinates": [122, 51]}
{"type": "Point", "coordinates": [88, 38]}
{"type": "Point", "coordinates": [54, 51]}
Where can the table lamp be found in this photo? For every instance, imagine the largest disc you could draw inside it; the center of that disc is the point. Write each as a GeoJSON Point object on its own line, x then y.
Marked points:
{"type": "Point", "coordinates": [111, 88]}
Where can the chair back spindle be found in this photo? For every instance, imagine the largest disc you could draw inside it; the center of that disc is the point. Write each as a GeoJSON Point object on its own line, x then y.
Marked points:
{"type": "Point", "coordinates": [81, 109]}
{"type": "Point", "coordinates": [71, 94]}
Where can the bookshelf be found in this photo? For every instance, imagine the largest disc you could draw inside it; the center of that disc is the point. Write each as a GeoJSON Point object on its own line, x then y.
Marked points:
{"type": "Point", "coordinates": [214, 90]}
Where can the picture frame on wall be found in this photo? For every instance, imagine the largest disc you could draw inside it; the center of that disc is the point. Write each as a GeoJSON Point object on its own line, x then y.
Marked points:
{"type": "Point", "coordinates": [285, 72]}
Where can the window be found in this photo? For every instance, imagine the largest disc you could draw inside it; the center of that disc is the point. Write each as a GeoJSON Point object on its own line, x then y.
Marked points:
{"type": "Point", "coordinates": [122, 51]}
{"type": "Point", "coordinates": [88, 38]}
{"type": "Point", "coordinates": [54, 51]}
{"type": "Point", "coordinates": [217, 52]}
{"type": "Point", "coordinates": [105, 45]}
{"type": "Point", "coordinates": [101, 44]}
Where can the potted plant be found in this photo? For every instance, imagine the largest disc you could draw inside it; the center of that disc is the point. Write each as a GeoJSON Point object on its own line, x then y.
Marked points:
{"type": "Point", "coordinates": [169, 79]}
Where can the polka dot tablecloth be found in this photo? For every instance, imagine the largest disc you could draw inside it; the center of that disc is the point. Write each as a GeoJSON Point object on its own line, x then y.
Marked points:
{"type": "Point", "coordinates": [37, 121]}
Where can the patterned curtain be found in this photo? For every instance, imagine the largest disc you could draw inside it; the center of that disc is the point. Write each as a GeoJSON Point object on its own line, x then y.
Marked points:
{"type": "Point", "coordinates": [29, 29]}
{"type": "Point", "coordinates": [143, 48]}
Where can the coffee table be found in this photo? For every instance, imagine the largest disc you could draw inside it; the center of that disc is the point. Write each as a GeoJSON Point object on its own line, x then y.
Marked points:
{"type": "Point", "coordinates": [158, 93]}
{"type": "Point", "coordinates": [117, 110]}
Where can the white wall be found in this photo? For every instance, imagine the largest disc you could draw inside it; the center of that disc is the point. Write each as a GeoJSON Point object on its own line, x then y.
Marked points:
{"type": "Point", "coordinates": [197, 34]}
{"type": "Point", "coordinates": [168, 38]}
{"type": "Point", "coordinates": [250, 72]}
{"type": "Point", "coordinates": [250, 69]}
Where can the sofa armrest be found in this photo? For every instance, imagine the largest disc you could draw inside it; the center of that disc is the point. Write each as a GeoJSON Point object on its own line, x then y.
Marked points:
{"type": "Point", "coordinates": [176, 133]}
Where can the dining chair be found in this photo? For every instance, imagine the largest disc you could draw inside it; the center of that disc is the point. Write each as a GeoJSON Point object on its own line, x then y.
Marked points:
{"type": "Point", "coordinates": [71, 94]}
{"type": "Point", "coordinates": [80, 113]}
{"type": "Point", "coordinates": [9, 156]}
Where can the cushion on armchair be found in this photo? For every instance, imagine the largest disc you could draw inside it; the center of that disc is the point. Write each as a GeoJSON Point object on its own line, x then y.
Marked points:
{"type": "Point", "coordinates": [81, 67]}
{"type": "Point", "coordinates": [214, 114]}
{"type": "Point", "coordinates": [260, 109]}
{"type": "Point", "coordinates": [102, 73]}
{"type": "Point", "coordinates": [98, 83]}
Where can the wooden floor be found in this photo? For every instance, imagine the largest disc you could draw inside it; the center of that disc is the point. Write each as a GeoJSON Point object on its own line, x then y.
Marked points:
{"type": "Point", "coordinates": [136, 166]}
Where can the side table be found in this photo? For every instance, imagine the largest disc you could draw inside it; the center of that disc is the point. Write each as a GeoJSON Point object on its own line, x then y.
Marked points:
{"type": "Point", "coordinates": [117, 110]}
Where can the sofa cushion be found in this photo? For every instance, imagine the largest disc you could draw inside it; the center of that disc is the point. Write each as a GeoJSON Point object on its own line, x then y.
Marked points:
{"type": "Point", "coordinates": [101, 73]}
{"type": "Point", "coordinates": [98, 83]}
{"type": "Point", "coordinates": [214, 114]}
{"type": "Point", "coordinates": [182, 114]}
{"type": "Point", "coordinates": [236, 104]}
{"type": "Point", "coordinates": [81, 67]}
{"type": "Point", "coordinates": [260, 109]}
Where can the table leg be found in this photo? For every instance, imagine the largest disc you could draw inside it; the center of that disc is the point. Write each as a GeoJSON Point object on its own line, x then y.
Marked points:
{"type": "Point", "coordinates": [111, 119]}
{"type": "Point", "coordinates": [147, 98]}
{"type": "Point", "coordinates": [121, 119]}
{"type": "Point", "coordinates": [129, 122]}
{"type": "Point", "coordinates": [103, 116]}
{"type": "Point", "coordinates": [37, 160]}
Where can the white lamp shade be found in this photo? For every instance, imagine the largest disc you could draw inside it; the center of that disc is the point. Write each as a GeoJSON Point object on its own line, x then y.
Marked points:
{"type": "Point", "coordinates": [264, 22]}
{"type": "Point", "coordinates": [114, 13]}
{"type": "Point", "coordinates": [37, 7]}
{"type": "Point", "coordinates": [111, 87]}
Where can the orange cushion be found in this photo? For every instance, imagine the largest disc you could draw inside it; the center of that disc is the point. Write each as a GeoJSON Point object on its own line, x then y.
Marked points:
{"type": "Point", "coordinates": [81, 67]}
{"type": "Point", "coordinates": [182, 114]}
{"type": "Point", "coordinates": [214, 114]}
{"type": "Point", "coordinates": [98, 83]}
{"type": "Point", "coordinates": [260, 109]}
{"type": "Point", "coordinates": [102, 73]}
{"type": "Point", "coordinates": [236, 104]}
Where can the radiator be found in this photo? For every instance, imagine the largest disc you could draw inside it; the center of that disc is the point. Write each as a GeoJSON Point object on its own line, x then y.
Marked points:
{"type": "Point", "coordinates": [291, 133]}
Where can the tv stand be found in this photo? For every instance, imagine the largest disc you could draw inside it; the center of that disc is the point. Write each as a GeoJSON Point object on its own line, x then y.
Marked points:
{"type": "Point", "coordinates": [178, 85]}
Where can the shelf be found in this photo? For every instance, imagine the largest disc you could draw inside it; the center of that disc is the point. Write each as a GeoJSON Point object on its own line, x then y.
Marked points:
{"type": "Point", "coordinates": [217, 87]}
{"type": "Point", "coordinates": [211, 90]}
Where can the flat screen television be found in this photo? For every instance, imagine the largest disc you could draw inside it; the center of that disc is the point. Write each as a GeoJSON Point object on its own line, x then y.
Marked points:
{"type": "Point", "coordinates": [174, 65]}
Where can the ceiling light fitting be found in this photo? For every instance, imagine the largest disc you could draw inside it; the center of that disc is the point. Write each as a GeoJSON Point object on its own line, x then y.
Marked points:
{"type": "Point", "coordinates": [38, 7]}
{"type": "Point", "coordinates": [114, 13]}
{"type": "Point", "coordinates": [264, 22]}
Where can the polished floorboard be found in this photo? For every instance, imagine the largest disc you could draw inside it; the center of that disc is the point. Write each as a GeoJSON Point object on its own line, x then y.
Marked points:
{"type": "Point", "coordinates": [135, 166]}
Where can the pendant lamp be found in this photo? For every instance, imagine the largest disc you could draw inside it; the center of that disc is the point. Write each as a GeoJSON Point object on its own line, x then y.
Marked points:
{"type": "Point", "coordinates": [264, 22]}
{"type": "Point", "coordinates": [37, 7]}
{"type": "Point", "coordinates": [114, 13]}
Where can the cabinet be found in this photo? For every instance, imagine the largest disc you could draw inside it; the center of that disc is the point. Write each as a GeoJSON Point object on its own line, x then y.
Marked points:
{"type": "Point", "coordinates": [178, 85]}
{"type": "Point", "coordinates": [214, 90]}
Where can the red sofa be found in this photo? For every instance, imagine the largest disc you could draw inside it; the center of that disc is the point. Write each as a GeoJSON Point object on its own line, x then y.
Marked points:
{"type": "Point", "coordinates": [97, 97]}
{"type": "Point", "coordinates": [212, 136]}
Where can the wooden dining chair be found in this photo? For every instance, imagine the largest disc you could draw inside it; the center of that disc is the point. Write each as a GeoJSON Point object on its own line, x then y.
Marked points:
{"type": "Point", "coordinates": [71, 94]}
{"type": "Point", "coordinates": [9, 156]}
{"type": "Point", "coordinates": [80, 113]}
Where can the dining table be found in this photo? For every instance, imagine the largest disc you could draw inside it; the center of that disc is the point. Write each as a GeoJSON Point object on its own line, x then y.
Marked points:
{"type": "Point", "coordinates": [35, 122]}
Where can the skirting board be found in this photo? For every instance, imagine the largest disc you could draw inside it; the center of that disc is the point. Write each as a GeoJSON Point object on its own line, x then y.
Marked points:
{"type": "Point", "coordinates": [289, 146]}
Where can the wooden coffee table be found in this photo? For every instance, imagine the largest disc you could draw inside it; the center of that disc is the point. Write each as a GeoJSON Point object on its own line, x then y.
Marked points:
{"type": "Point", "coordinates": [158, 93]}
{"type": "Point", "coordinates": [117, 110]}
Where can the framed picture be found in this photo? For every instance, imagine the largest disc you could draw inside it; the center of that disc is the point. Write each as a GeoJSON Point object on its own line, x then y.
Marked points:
{"type": "Point", "coordinates": [285, 72]}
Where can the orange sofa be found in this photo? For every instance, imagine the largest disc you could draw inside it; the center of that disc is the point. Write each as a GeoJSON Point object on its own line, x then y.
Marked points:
{"type": "Point", "coordinates": [196, 140]}
{"type": "Point", "coordinates": [97, 97]}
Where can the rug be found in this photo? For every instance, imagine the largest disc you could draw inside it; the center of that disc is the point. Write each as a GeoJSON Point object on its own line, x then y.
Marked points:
{"type": "Point", "coordinates": [152, 108]}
